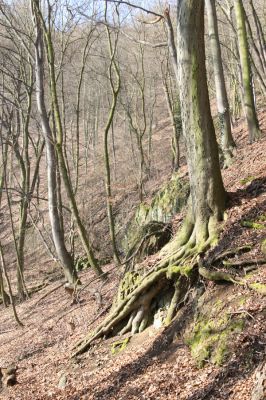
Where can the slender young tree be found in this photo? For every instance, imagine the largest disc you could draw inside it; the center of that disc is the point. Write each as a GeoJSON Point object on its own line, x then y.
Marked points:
{"type": "Point", "coordinates": [173, 106]}
{"type": "Point", "coordinates": [47, 30]}
{"type": "Point", "coordinates": [227, 140]}
{"type": "Point", "coordinates": [115, 84]}
{"type": "Point", "coordinates": [57, 232]}
{"type": "Point", "coordinates": [250, 110]}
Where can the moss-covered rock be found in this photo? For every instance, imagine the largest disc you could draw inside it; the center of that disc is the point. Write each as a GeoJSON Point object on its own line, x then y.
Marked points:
{"type": "Point", "coordinates": [211, 333]}
{"type": "Point", "coordinates": [167, 202]}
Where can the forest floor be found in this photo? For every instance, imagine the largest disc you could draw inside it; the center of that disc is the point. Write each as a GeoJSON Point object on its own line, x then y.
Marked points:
{"type": "Point", "coordinates": [156, 364]}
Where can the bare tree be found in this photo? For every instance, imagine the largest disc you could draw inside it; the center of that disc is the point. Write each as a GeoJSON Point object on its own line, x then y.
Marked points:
{"type": "Point", "coordinates": [221, 94]}
{"type": "Point", "coordinates": [251, 115]}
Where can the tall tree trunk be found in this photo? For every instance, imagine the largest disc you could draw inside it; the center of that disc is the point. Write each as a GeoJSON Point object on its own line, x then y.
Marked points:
{"type": "Point", "coordinates": [221, 95]}
{"type": "Point", "coordinates": [177, 127]}
{"type": "Point", "coordinates": [207, 190]}
{"type": "Point", "coordinates": [260, 33]}
{"type": "Point", "coordinates": [252, 120]}
{"type": "Point", "coordinates": [115, 84]}
{"type": "Point", "coordinates": [59, 140]}
{"type": "Point", "coordinates": [58, 234]}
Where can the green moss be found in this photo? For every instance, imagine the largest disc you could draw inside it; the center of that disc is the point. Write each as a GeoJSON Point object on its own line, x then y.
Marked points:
{"type": "Point", "coordinates": [166, 203]}
{"type": "Point", "coordinates": [210, 338]}
{"type": "Point", "coordinates": [218, 305]}
{"type": "Point", "coordinates": [258, 287]}
{"type": "Point", "coordinates": [210, 335]}
{"type": "Point", "coordinates": [173, 270]}
{"type": "Point", "coordinates": [186, 270]}
{"type": "Point", "coordinates": [247, 180]}
{"type": "Point", "coordinates": [129, 282]}
{"type": "Point", "coordinates": [119, 346]}
{"type": "Point", "coordinates": [242, 300]}
{"type": "Point", "coordinates": [252, 224]}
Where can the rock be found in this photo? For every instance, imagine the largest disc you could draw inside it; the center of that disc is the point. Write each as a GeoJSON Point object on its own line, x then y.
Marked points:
{"type": "Point", "coordinates": [259, 389]}
{"type": "Point", "coordinates": [167, 202]}
{"type": "Point", "coordinates": [62, 381]}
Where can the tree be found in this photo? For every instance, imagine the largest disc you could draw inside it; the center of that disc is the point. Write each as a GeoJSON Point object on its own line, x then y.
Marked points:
{"type": "Point", "coordinates": [207, 190]}
{"type": "Point", "coordinates": [115, 84]}
{"type": "Point", "coordinates": [250, 110]}
{"type": "Point", "coordinates": [57, 232]}
{"type": "Point", "coordinates": [132, 306]}
{"type": "Point", "coordinates": [221, 95]}
{"type": "Point", "coordinates": [40, 24]}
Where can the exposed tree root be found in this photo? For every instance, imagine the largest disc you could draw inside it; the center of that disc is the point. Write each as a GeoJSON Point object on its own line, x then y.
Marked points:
{"type": "Point", "coordinates": [217, 276]}
{"type": "Point", "coordinates": [174, 302]}
{"type": "Point", "coordinates": [180, 257]}
{"type": "Point", "coordinates": [232, 252]}
{"type": "Point", "coordinates": [242, 263]}
{"type": "Point", "coordinates": [132, 312]}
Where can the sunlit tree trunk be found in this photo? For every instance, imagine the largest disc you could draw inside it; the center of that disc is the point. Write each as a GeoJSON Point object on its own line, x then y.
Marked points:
{"type": "Point", "coordinates": [221, 95]}
{"type": "Point", "coordinates": [207, 190]}
{"type": "Point", "coordinates": [59, 138]}
{"type": "Point", "coordinates": [115, 84]}
{"type": "Point", "coordinates": [58, 234]}
{"type": "Point", "coordinates": [252, 120]}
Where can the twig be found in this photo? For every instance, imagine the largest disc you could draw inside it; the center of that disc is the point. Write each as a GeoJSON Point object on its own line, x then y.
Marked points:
{"type": "Point", "coordinates": [10, 330]}
{"type": "Point", "coordinates": [241, 312]}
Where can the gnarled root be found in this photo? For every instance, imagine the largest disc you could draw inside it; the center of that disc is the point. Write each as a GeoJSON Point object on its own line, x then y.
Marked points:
{"type": "Point", "coordinates": [175, 269]}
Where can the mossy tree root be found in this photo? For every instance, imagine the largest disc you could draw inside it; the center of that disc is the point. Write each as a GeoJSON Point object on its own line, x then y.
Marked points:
{"type": "Point", "coordinates": [218, 276]}
{"type": "Point", "coordinates": [174, 302]}
{"type": "Point", "coordinates": [135, 305]}
{"type": "Point", "coordinates": [179, 259]}
{"type": "Point", "coordinates": [231, 252]}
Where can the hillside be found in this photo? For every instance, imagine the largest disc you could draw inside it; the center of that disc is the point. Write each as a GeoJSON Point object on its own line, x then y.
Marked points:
{"type": "Point", "coordinates": [157, 363]}
{"type": "Point", "coordinates": [133, 200]}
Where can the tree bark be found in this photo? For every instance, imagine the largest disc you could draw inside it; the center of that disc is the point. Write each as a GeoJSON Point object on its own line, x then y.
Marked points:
{"type": "Point", "coordinates": [58, 234]}
{"type": "Point", "coordinates": [59, 141]}
{"type": "Point", "coordinates": [252, 120]}
{"type": "Point", "coordinates": [207, 191]}
{"type": "Point", "coordinates": [115, 84]}
{"type": "Point", "coordinates": [221, 95]}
